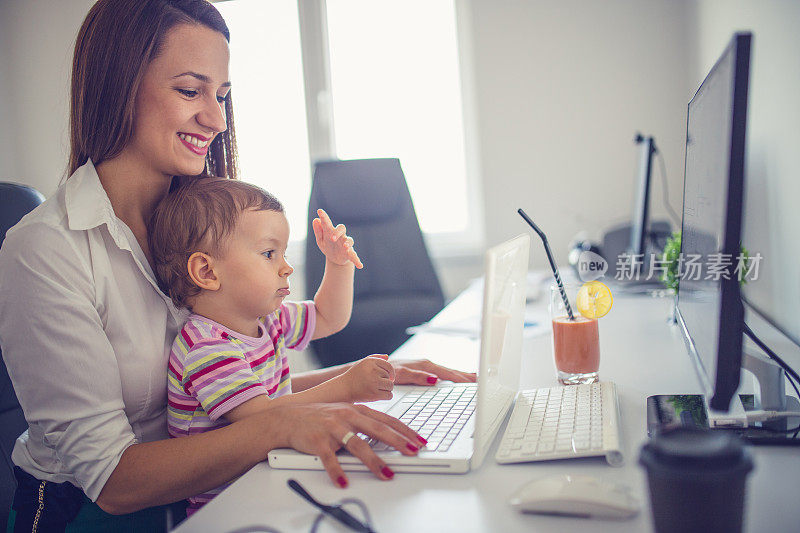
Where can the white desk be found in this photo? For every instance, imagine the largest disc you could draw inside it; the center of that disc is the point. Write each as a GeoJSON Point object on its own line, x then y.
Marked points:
{"type": "Point", "coordinates": [640, 351]}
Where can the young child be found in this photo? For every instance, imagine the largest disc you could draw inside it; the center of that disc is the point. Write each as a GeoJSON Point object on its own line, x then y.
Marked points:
{"type": "Point", "coordinates": [219, 250]}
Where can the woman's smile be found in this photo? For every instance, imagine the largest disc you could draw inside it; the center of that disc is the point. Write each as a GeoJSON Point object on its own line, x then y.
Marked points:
{"type": "Point", "coordinates": [195, 143]}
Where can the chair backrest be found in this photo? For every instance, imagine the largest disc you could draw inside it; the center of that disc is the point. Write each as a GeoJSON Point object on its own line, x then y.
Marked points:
{"type": "Point", "coordinates": [15, 202]}
{"type": "Point", "coordinates": [398, 286]}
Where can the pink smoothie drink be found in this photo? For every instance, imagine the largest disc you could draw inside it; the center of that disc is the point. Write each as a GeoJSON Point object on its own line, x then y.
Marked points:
{"type": "Point", "coordinates": [576, 345]}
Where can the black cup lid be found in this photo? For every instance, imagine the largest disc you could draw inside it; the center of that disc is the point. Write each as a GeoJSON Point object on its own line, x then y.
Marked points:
{"type": "Point", "coordinates": [695, 448]}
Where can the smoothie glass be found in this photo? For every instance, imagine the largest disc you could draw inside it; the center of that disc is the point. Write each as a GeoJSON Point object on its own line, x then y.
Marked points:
{"type": "Point", "coordinates": [576, 343]}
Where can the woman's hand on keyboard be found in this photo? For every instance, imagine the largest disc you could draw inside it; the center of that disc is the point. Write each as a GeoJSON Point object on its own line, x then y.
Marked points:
{"type": "Point", "coordinates": [319, 429]}
{"type": "Point", "coordinates": [424, 372]}
{"type": "Point", "coordinates": [371, 378]}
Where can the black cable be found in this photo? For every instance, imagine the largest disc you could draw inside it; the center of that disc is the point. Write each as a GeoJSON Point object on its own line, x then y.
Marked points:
{"type": "Point", "coordinates": [335, 511]}
{"type": "Point", "coordinates": [772, 430]}
{"type": "Point", "coordinates": [675, 218]}
{"type": "Point", "coordinates": [361, 505]}
{"type": "Point", "coordinates": [786, 368]}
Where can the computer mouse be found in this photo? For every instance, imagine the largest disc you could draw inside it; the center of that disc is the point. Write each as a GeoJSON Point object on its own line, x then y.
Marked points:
{"type": "Point", "coordinates": [582, 496]}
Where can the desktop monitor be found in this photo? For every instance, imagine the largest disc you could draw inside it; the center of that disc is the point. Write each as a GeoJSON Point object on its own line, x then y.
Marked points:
{"type": "Point", "coordinates": [709, 306]}
{"type": "Point", "coordinates": [642, 239]}
{"type": "Point", "coordinates": [639, 227]}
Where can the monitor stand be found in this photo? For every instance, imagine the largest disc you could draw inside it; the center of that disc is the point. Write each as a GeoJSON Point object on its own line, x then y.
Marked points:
{"type": "Point", "coordinates": [770, 395]}
{"type": "Point", "coordinates": [770, 380]}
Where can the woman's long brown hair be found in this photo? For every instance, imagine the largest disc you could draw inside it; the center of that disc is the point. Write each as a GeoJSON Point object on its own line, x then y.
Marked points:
{"type": "Point", "coordinates": [116, 42]}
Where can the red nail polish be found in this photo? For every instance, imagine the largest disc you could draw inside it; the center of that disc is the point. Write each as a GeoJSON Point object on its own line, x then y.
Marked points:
{"type": "Point", "coordinates": [342, 481]}
{"type": "Point", "coordinates": [423, 441]}
{"type": "Point", "coordinates": [412, 447]}
{"type": "Point", "coordinates": [386, 471]}
{"type": "Point", "coordinates": [432, 379]}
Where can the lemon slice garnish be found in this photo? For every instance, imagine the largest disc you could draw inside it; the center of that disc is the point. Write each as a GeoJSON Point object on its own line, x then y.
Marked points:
{"type": "Point", "coordinates": [594, 299]}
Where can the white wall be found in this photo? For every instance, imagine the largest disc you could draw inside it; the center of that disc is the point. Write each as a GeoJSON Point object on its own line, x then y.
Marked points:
{"type": "Point", "coordinates": [7, 163]}
{"type": "Point", "coordinates": [36, 41]}
{"type": "Point", "coordinates": [562, 88]}
{"type": "Point", "coordinates": [772, 179]}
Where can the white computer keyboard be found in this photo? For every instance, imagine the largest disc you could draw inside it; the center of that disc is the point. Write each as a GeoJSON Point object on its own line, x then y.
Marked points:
{"type": "Point", "coordinates": [563, 422]}
{"type": "Point", "coordinates": [437, 414]}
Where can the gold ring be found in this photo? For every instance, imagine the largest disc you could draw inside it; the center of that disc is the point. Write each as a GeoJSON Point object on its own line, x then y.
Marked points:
{"type": "Point", "coordinates": [347, 436]}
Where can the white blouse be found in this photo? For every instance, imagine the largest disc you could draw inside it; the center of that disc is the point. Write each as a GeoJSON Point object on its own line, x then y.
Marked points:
{"type": "Point", "coordinates": [85, 333]}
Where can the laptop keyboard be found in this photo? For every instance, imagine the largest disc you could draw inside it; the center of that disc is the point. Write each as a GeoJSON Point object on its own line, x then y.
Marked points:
{"type": "Point", "coordinates": [563, 422]}
{"type": "Point", "coordinates": [437, 414]}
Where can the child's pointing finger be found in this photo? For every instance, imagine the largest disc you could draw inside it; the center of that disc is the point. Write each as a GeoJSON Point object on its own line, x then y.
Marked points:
{"type": "Point", "coordinates": [325, 219]}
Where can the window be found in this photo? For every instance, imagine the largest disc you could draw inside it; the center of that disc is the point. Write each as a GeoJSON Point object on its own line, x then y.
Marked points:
{"type": "Point", "coordinates": [269, 107]}
{"type": "Point", "coordinates": [400, 96]}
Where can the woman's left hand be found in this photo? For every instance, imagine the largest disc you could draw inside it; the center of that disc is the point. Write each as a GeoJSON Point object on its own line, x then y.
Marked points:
{"type": "Point", "coordinates": [424, 372]}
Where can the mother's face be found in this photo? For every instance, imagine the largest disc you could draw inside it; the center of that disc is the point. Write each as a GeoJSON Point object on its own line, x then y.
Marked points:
{"type": "Point", "coordinates": [180, 106]}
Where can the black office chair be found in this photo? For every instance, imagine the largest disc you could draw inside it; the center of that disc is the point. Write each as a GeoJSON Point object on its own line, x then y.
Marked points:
{"type": "Point", "coordinates": [15, 202]}
{"type": "Point", "coordinates": [397, 287]}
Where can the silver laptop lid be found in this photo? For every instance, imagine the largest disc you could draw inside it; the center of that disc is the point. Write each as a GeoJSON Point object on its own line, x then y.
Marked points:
{"type": "Point", "coordinates": [506, 269]}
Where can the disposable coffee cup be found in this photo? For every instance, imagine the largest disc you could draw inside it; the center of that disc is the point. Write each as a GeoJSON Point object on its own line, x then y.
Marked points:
{"type": "Point", "coordinates": [697, 480]}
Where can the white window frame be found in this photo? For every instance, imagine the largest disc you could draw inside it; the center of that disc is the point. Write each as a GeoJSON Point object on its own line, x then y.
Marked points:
{"type": "Point", "coordinates": [319, 113]}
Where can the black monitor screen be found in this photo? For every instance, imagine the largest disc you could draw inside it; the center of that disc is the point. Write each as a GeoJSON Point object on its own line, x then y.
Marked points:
{"type": "Point", "coordinates": [639, 228]}
{"type": "Point", "coordinates": [709, 305]}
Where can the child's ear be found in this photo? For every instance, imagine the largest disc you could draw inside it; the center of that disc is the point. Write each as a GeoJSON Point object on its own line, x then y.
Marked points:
{"type": "Point", "coordinates": [201, 271]}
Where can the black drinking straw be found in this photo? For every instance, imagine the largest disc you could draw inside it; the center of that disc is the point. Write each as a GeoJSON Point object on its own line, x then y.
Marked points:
{"type": "Point", "coordinates": [549, 258]}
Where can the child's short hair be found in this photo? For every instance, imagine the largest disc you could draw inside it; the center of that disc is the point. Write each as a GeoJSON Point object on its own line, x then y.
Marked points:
{"type": "Point", "coordinates": [197, 217]}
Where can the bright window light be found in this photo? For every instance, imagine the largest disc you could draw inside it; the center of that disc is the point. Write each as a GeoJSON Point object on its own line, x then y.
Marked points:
{"type": "Point", "coordinates": [269, 105]}
{"type": "Point", "coordinates": [396, 92]}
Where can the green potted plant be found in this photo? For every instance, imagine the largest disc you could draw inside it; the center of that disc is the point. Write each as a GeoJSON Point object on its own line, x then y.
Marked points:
{"type": "Point", "coordinates": [670, 258]}
{"type": "Point", "coordinates": [672, 251]}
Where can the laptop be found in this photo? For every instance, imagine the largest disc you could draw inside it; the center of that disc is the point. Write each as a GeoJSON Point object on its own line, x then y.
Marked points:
{"type": "Point", "coordinates": [459, 420]}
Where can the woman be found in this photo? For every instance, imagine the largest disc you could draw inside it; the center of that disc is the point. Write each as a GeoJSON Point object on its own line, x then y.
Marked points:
{"type": "Point", "coordinates": [85, 329]}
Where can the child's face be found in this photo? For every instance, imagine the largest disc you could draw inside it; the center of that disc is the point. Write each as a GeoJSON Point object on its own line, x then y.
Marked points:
{"type": "Point", "coordinates": [254, 274]}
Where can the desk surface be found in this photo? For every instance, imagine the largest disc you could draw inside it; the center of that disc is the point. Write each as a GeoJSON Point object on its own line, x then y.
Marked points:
{"type": "Point", "coordinates": [640, 351]}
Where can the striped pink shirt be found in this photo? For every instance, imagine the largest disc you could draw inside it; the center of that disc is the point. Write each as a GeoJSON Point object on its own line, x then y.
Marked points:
{"type": "Point", "coordinates": [213, 369]}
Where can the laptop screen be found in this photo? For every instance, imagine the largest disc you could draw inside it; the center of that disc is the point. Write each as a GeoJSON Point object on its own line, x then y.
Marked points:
{"type": "Point", "coordinates": [506, 269]}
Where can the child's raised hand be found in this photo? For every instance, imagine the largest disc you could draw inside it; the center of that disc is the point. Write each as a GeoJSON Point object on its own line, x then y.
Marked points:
{"type": "Point", "coordinates": [333, 241]}
{"type": "Point", "coordinates": [370, 379]}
